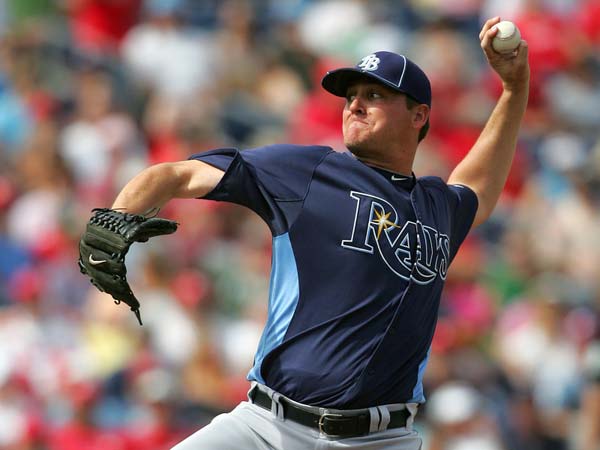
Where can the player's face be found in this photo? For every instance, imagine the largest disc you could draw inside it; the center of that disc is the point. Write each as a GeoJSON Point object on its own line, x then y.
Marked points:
{"type": "Point", "coordinates": [375, 119]}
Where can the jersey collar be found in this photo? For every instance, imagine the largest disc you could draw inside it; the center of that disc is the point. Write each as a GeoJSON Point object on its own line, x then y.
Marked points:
{"type": "Point", "coordinates": [397, 179]}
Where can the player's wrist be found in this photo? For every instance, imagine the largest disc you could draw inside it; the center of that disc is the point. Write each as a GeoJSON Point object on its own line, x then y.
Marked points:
{"type": "Point", "coordinates": [516, 87]}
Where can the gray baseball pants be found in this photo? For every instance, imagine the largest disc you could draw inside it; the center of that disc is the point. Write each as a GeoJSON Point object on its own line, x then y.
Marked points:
{"type": "Point", "coordinates": [250, 427]}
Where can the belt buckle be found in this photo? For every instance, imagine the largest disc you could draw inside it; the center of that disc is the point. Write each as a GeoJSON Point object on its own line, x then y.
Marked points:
{"type": "Point", "coordinates": [329, 416]}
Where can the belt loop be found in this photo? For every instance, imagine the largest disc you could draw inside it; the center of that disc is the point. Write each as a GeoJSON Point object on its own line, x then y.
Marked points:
{"type": "Point", "coordinates": [385, 418]}
{"type": "Point", "coordinates": [412, 408]}
{"type": "Point", "coordinates": [276, 406]}
{"type": "Point", "coordinates": [250, 393]}
{"type": "Point", "coordinates": [374, 413]}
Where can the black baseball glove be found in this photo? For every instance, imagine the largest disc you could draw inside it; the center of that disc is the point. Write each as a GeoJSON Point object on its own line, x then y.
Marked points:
{"type": "Point", "coordinates": [106, 241]}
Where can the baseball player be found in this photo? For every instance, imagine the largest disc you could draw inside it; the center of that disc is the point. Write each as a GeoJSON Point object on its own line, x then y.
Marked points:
{"type": "Point", "coordinates": [361, 249]}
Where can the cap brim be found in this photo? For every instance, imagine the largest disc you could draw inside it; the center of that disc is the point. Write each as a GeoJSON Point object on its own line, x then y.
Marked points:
{"type": "Point", "coordinates": [337, 81]}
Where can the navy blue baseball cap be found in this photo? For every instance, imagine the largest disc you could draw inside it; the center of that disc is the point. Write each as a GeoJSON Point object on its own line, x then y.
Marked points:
{"type": "Point", "coordinates": [393, 70]}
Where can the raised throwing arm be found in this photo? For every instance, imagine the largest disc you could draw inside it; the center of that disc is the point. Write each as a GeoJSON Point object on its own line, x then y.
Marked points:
{"type": "Point", "coordinates": [485, 168]}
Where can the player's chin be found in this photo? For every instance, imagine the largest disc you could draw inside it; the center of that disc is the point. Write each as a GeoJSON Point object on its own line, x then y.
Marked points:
{"type": "Point", "coordinates": [354, 141]}
{"type": "Point", "coordinates": [357, 147]}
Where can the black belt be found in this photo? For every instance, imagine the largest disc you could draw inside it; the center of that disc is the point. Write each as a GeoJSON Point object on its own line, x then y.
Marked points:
{"type": "Point", "coordinates": [334, 425]}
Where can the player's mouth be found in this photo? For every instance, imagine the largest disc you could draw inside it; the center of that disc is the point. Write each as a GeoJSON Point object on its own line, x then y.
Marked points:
{"type": "Point", "coordinates": [358, 122]}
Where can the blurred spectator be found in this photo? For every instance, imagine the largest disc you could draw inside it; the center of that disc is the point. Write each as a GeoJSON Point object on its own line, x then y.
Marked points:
{"type": "Point", "coordinates": [590, 396]}
{"type": "Point", "coordinates": [457, 413]}
{"type": "Point", "coordinates": [587, 17]}
{"type": "Point", "coordinates": [164, 55]}
{"type": "Point", "coordinates": [98, 26]}
{"type": "Point", "coordinates": [573, 95]}
{"type": "Point", "coordinates": [100, 144]}
{"type": "Point", "coordinates": [16, 120]}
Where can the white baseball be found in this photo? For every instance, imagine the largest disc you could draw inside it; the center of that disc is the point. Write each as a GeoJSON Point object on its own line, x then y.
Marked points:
{"type": "Point", "coordinates": [507, 38]}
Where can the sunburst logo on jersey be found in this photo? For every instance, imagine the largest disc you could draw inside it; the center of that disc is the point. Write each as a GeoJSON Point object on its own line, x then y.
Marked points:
{"type": "Point", "coordinates": [382, 222]}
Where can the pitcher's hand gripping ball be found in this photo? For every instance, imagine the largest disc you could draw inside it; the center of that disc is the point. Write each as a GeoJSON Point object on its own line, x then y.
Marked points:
{"type": "Point", "coordinates": [508, 37]}
{"type": "Point", "coordinates": [105, 243]}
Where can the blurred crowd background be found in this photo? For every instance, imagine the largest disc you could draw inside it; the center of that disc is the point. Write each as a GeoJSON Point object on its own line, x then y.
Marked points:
{"type": "Point", "coordinates": [93, 91]}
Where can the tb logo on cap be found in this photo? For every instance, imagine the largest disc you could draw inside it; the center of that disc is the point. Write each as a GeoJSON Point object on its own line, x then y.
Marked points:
{"type": "Point", "coordinates": [369, 63]}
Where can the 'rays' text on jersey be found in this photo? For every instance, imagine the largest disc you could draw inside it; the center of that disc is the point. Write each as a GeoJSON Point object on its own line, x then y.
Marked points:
{"type": "Point", "coordinates": [409, 249]}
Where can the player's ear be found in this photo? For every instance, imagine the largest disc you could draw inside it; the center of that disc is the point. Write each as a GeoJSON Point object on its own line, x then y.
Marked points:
{"type": "Point", "coordinates": [420, 115]}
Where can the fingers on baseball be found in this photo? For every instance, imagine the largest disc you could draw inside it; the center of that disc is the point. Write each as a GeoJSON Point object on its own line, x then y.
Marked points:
{"type": "Point", "coordinates": [523, 48]}
{"type": "Point", "coordinates": [520, 52]}
{"type": "Point", "coordinates": [486, 42]}
{"type": "Point", "coordinates": [487, 26]}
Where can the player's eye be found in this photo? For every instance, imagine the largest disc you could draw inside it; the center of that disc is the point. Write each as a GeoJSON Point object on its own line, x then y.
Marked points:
{"type": "Point", "coordinates": [374, 95]}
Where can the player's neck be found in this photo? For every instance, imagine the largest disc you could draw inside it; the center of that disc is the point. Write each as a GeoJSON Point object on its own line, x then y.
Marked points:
{"type": "Point", "coordinates": [397, 165]}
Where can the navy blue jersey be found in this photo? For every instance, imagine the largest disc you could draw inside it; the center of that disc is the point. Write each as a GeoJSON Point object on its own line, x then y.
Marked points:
{"type": "Point", "coordinates": [360, 256]}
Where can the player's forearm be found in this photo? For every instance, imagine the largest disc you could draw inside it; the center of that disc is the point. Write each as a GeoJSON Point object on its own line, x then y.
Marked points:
{"type": "Point", "coordinates": [486, 166]}
{"type": "Point", "coordinates": [156, 185]}
{"type": "Point", "coordinates": [151, 188]}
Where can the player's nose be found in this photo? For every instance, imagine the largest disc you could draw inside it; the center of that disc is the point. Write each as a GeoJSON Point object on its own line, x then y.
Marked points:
{"type": "Point", "coordinates": [356, 105]}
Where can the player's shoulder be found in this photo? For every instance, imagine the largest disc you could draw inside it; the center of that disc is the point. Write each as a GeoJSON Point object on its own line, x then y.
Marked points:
{"type": "Point", "coordinates": [437, 186]}
{"type": "Point", "coordinates": [291, 149]}
{"type": "Point", "coordinates": [439, 183]}
{"type": "Point", "coordinates": [454, 192]}
{"type": "Point", "coordinates": [432, 182]}
{"type": "Point", "coordinates": [286, 155]}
